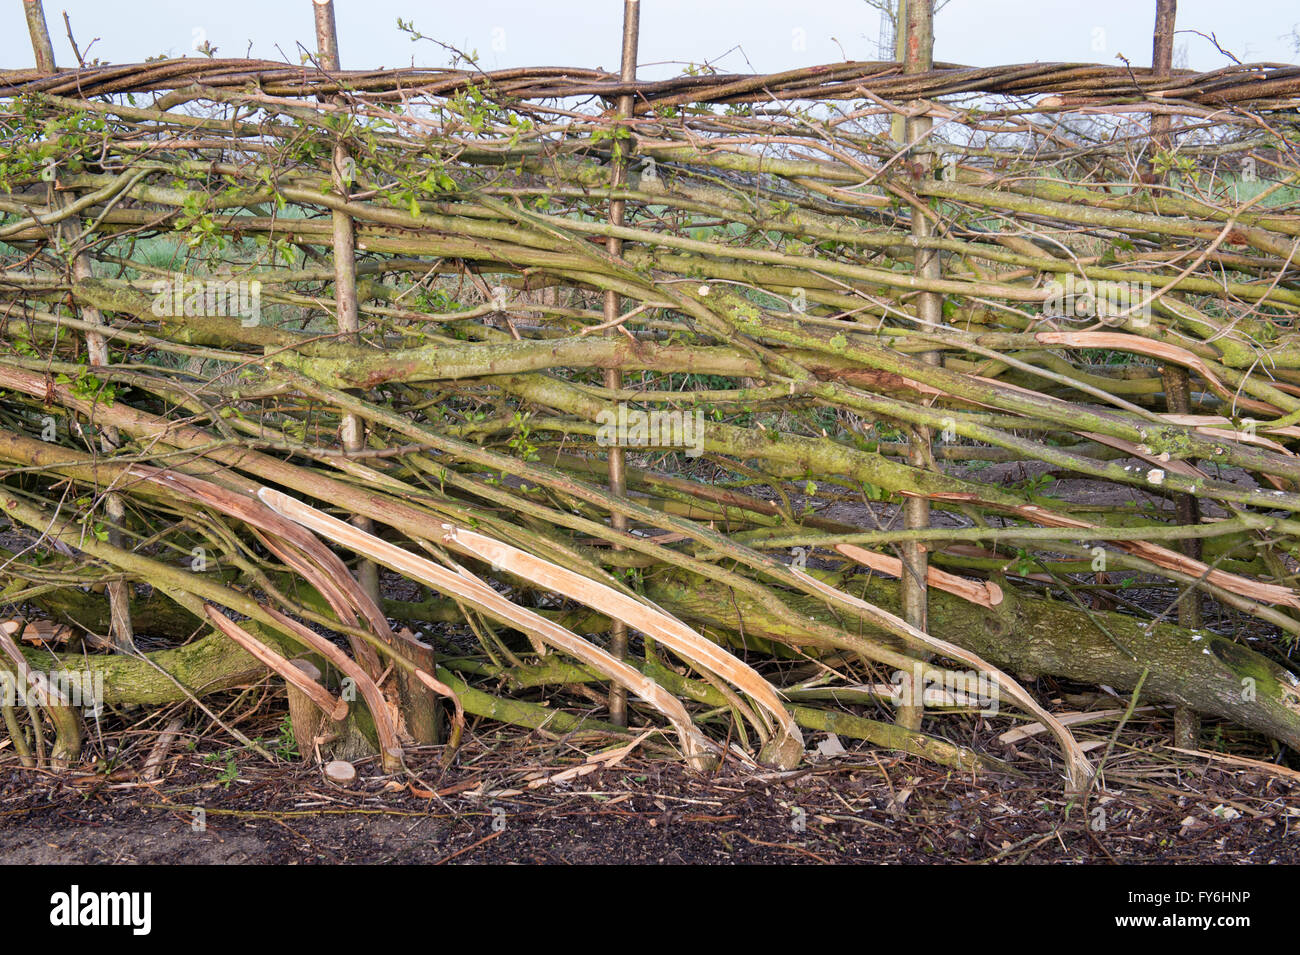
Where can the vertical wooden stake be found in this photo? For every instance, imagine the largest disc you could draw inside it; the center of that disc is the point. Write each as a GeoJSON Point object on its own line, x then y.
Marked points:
{"type": "Point", "coordinates": [1177, 384]}
{"type": "Point", "coordinates": [1162, 63]}
{"type": "Point", "coordinates": [918, 47]}
{"type": "Point", "coordinates": [613, 376]}
{"type": "Point", "coordinates": [897, 123]}
{"type": "Point", "coordinates": [352, 433]}
{"type": "Point", "coordinates": [121, 631]}
{"type": "Point", "coordinates": [40, 34]}
{"type": "Point", "coordinates": [306, 718]}
{"type": "Point", "coordinates": [420, 707]}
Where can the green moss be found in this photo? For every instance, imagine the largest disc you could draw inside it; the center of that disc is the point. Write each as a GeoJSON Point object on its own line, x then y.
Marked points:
{"type": "Point", "coordinates": [1172, 441]}
{"type": "Point", "coordinates": [742, 312]}
{"type": "Point", "coordinates": [1269, 679]}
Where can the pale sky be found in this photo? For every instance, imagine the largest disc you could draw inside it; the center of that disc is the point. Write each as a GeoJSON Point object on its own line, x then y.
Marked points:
{"type": "Point", "coordinates": [773, 34]}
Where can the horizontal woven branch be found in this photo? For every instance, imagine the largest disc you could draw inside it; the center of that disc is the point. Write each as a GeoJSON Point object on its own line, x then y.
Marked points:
{"type": "Point", "coordinates": [1075, 83]}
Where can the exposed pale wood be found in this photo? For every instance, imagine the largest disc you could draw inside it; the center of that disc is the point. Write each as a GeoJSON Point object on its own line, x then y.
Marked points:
{"type": "Point", "coordinates": [466, 586]}
{"type": "Point", "coordinates": [340, 772]}
{"type": "Point", "coordinates": [336, 709]}
{"type": "Point", "coordinates": [380, 709]}
{"type": "Point", "coordinates": [984, 593]}
{"type": "Point", "coordinates": [1161, 556]}
{"type": "Point", "coordinates": [158, 752]}
{"type": "Point", "coordinates": [302, 551]}
{"type": "Point", "coordinates": [649, 620]}
{"type": "Point", "coordinates": [1066, 719]}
